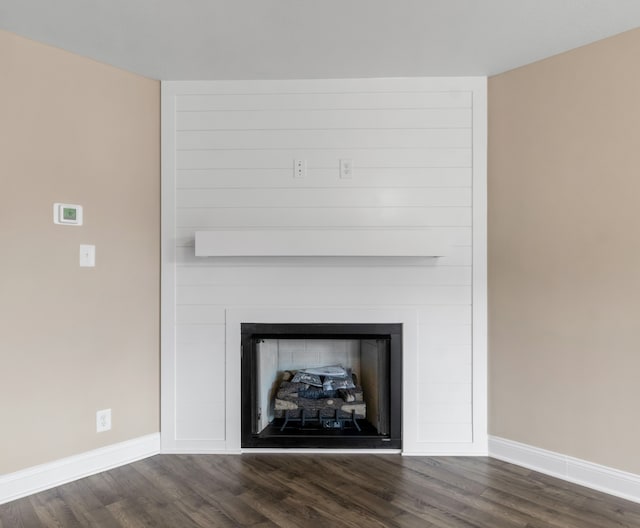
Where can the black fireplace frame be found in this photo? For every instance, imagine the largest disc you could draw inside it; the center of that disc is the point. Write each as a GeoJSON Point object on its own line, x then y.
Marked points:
{"type": "Point", "coordinates": [252, 332]}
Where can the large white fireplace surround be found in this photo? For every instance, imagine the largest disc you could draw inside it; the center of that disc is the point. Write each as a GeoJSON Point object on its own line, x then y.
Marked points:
{"type": "Point", "coordinates": [418, 152]}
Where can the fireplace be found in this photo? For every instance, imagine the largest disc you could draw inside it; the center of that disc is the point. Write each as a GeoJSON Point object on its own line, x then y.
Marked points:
{"type": "Point", "coordinates": [333, 386]}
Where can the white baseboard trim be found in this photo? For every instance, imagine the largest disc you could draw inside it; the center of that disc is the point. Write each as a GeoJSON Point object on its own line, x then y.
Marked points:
{"type": "Point", "coordinates": [39, 478]}
{"type": "Point", "coordinates": [450, 453]}
{"type": "Point", "coordinates": [594, 476]}
{"type": "Point", "coordinates": [478, 448]}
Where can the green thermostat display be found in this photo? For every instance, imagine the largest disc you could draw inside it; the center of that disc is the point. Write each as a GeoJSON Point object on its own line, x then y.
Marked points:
{"type": "Point", "coordinates": [67, 214]}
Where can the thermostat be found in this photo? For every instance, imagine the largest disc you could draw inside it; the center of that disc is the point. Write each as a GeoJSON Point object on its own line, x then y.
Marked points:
{"type": "Point", "coordinates": [67, 214]}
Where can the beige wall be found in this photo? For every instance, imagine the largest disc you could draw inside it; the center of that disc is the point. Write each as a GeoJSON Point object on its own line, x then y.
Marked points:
{"type": "Point", "coordinates": [564, 253]}
{"type": "Point", "coordinates": [74, 340]}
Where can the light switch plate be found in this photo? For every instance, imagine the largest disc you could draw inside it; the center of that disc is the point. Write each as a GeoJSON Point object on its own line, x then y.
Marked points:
{"type": "Point", "coordinates": [87, 256]}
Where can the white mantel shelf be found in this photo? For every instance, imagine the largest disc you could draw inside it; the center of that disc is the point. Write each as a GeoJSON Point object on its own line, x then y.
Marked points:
{"type": "Point", "coordinates": [318, 243]}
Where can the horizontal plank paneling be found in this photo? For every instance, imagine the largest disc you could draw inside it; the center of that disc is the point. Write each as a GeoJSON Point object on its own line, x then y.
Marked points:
{"type": "Point", "coordinates": [441, 315]}
{"type": "Point", "coordinates": [459, 413]}
{"type": "Point", "coordinates": [319, 139]}
{"type": "Point", "coordinates": [310, 295]}
{"type": "Point", "coordinates": [325, 120]}
{"type": "Point", "coordinates": [265, 178]}
{"type": "Point", "coordinates": [328, 158]}
{"type": "Point", "coordinates": [436, 335]}
{"type": "Point", "coordinates": [199, 419]}
{"type": "Point", "coordinates": [199, 314]}
{"type": "Point", "coordinates": [326, 101]}
{"type": "Point", "coordinates": [197, 335]}
{"type": "Point", "coordinates": [297, 276]}
{"type": "Point", "coordinates": [381, 197]}
{"type": "Point", "coordinates": [451, 363]}
{"type": "Point", "coordinates": [194, 384]}
{"type": "Point", "coordinates": [410, 144]}
{"type": "Point", "coordinates": [444, 315]}
{"type": "Point", "coordinates": [199, 382]}
{"type": "Point", "coordinates": [459, 393]}
{"type": "Point", "coordinates": [324, 217]}
{"type": "Point", "coordinates": [442, 433]}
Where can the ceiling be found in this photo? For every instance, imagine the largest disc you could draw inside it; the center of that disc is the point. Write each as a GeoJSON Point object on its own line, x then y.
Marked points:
{"type": "Point", "coordinates": [285, 39]}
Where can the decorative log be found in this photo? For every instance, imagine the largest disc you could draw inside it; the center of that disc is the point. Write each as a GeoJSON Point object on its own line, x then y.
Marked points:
{"type": "Point", "coordinates": [283, 405]}
{"type": "Point", "coordinates": [326, 406]}
{"type": "Point", "coordinates": [359, 408]}
{"type": "Point", "coordinates": [343, 405]}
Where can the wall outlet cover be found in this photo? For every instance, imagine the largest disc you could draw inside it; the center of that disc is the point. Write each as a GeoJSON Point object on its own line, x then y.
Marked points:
{"type": "Point", "coordinates": [299, 168]}
{"type": "Point", "coordinates": [346, 169]}
{"type": "Point", "coordinates": [103, 420]}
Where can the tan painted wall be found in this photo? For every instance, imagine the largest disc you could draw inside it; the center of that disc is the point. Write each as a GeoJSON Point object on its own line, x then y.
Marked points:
{"type": "Point", "coordinates": [564, 253]}
{"type": "Point", "coordinates": [74, 340]}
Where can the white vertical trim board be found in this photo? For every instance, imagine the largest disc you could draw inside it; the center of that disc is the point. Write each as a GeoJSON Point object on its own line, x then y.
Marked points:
{"type": "Point", "coordinates": [168, 269]}
{"type": "Point", "coordinates": [417, 152]}
{"type": "Point", "coordinates": [39, 478]}
{"type": "Point", "coordinates": [594, 476]}
{"type": "Point", "coordinates": [479, 276]}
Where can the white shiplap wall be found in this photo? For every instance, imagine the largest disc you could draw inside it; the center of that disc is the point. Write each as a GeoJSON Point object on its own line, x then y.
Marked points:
{"type": "Point", "coordinates": [418, 153]}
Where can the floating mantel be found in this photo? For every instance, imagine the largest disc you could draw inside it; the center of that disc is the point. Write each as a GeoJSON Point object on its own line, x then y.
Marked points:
{"type": "Point", "coordinates": [318, 243]}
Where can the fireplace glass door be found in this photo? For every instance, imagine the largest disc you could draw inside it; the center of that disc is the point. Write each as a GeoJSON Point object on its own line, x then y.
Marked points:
{"type": "Point", "coordinates": [321, 386]}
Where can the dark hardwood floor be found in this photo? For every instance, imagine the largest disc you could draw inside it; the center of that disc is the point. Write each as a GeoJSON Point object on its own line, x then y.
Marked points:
{"type": "Point", "coordinates": [290, 490]}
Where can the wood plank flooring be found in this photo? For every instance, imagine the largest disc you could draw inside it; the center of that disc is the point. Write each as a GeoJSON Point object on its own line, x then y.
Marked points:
{"type": "Point", "coordinates": [291, 490]}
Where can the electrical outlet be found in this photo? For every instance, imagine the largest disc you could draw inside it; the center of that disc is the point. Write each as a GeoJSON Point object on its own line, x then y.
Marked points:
{"type": "Point", "coordinates": [346, 168]}
{"type": "Point", "coordinates": [103, 420]}
{"type": "Point", "coordinates": [299, 168]}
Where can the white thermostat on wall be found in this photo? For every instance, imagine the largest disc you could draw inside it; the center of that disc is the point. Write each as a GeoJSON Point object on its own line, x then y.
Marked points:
{"type": "Point", "coordinates": [67, 214]}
